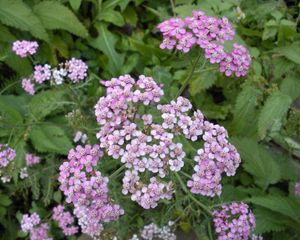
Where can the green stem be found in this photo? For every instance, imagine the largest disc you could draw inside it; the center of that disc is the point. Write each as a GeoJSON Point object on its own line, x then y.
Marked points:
{"type": "Point", "coordinates": [9, 86]}
{"type": "Point", "coordinates": [187, 80]}
{"type": "Point", "coordinates": [209, 231]}
{"type": "Point", "coordinates": [115, 173]}
{"type": "Point", "coordinates": [204, 207]}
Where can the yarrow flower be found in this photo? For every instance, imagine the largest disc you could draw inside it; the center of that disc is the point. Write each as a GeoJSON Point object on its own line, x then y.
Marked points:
{"type": "Point", "coordinates": [77, 70]}
{"type": "Point", "coordinates": [25, 48]}
{"type": "Point", "coordinates": [65, 220]}
{"type": "Point", "coordinates": [7, 154]}
{"type": "Point", "coordinates": [42, 73]}
{"type": "Point", "coordinates": [234, 221]}
{"type": "Point", "coordinates": [87, 189]}
{"type": "Point", "coordinates": [209, 33]}
{"type": "Point", "coordinates": [152, 231]}
{"type": "Point", "coordinates": [23, 173]}
{"type": "Point", "coordinates": [32, 159]}
{"type": "Point", "coordinates": [152, 148]}
{"type": "Point", "coordinates": [28, 86]}
{"type": "Point", "coordinates": [80, 136]}
{"type": "Point", "coordinates": [28, 222]}
{"type": "Point", "coordinates": [297, 189]}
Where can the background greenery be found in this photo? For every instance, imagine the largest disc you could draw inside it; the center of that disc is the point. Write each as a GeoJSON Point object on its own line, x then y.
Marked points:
{"type": "Point", "coordinates": [260, 111]}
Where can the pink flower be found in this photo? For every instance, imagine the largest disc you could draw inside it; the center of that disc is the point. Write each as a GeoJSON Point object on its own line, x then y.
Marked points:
{"type": "Point", "coordinates": [77, 70]}
{"type": "Point", "coordinates": [28, 86]}
{"type": "Point", "coordinates": [42, 73]}
{"type": "Point", "coordinates": [25, 48]}
{"type": "Point", "coordinates": [297, 189]}
{"type": "Point", "coordinates": [32, 159]}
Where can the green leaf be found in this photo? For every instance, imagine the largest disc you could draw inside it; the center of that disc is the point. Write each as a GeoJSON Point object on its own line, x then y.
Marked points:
{"type": "Point", "coordinates": [111, 16]}
{"type": "Point", "coordinates": [44, 103]}
{"type": "Point", "coordinates": [147, 50]}
{"type": "Point", "coordinates": [267, 221]}
{"type": "Point", "coordinates": [50, 138]}
{"type": "Point", "coordinates": [257, 161]}
{"type": "Point", "coordinates": [75, 4]}
{"type": "Point", "coordinates": [54, 15]}
{"type": "Point", "coordinates": [291, 52]}
{"type": "Point", "coordinates": [111, 4]}
{"type": "Point", "coordinates": [16, 13]}
{"type": "Point", "coordinates": [291, 86]}
{"type": "Point", "coordinates": [269, 32]}
{"type": "Point", "coordinates": [106, 42]}
{"type": "Point", "coordinates": [202, 81]}
{"type": "Point", "coordinates": [280, 204]}
{"type": "Point", "coordinates": [287, 30]}
{"type": "Point", "coordinates": [274, 110]}
{"type": "Point", "coordinates": [5, 200]}
{"type": "Point", "coordinates": [245, 113]}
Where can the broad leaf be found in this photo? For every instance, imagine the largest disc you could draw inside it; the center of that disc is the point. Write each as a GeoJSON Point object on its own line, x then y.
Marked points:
{"type": "Point", "coordinates": [257, 161]}
{"type": "Point", "coordinates": [48, 137]}
{"type": "Point", "coordinates": [54, 15]}
{"type": "Point", "coordinates": [274, 110]}
{"type": "Point", "coordinates": [17, 14]}
{"type": "Point", "coordinates": [291, 52]}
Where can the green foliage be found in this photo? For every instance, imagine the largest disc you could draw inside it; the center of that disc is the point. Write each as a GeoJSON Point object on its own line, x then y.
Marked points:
{"type": "Point", "coordinates": [54, 15]}
{"type": "Point", "coordinates": [48, 137]}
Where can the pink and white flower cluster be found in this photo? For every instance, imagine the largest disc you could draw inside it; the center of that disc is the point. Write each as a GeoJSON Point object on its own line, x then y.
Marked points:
{"type": "Point", "coordinates": [210, 34]}
{"type": "Point", "coordinates": [234, 221]}
{"type": "Point", "coordinates": [32, 224]}
{"type": "Point", "coordinates": [65, 220]}
{"type": "Point", "coordinates": [153, 231]}
{"type": "Point", "coordinates": [75, 70]}
{"type": "Point", "coordinates": [25, 48]}
{"type": "Point", "coordinates": [7, 155]}
{"type": "Point", "coordinates": [297, 189]}
{"type": "Point", "coordinates": [32, 159]}
{"type": "Point", "coordinates": [151, 147]}
{"type": "Point", "coordinates": [87, 189]}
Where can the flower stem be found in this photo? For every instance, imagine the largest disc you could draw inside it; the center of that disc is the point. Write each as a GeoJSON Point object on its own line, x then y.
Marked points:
{"type": "Point", "coordinates": [115, 173]}
{"type": "Point", "coordinates": [204, 207]}
{"type": "Point", "coordinates": [187, 80]}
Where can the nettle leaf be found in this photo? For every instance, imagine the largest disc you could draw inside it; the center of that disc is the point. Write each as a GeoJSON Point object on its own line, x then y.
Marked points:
{"type": "Point", "coordinates": [111, 16]}
{"type": "Point", "coordinates": [106, 42]}
{"type": "Point", "coordinates": [54, 15]}
{"type": "Point", "coordinates": [44, 103]}
{"type": "Point", "coordinates": [245, 113]}
{"type": "Point", "coordinates": [267, 221]}
{"type": "Point", "coordinates": [290, 86]}
{"type": "Point", "coordinates": [257, 161]}
{"type": "Point", "coordinates": [201, 81]}
{"type": "Point", "coordinates": [50, 138]}
{"type": "Point", "coordinates": [291, 52]}
{"type": "Point", "coordinates": [274, 110]}
{"type": "Point", "coordinates": [16, 13]}
{"type": "Point", "coordinates": [280, 204]}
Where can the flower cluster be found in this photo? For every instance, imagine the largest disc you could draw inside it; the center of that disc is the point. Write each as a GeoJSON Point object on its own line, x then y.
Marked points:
{"type": "Point", "coordinates": [87, 189]}
{"type": "Point", "coordinates": [25, 48]}
{"type": "Point", "coordinates": [297, 189]}
{"type": "Point", "coordinates": [151, 147]}
{"type": "Point", "coordinates": [234, 221]}
{"type": "Point", "coordinates": [31, 159]}
{"type": "Point", "coordinates": [7, 154]}
{"type": "Point", "coordinates": [210, 34]}
{"type": "Point", "coordinates": [23, 173]}
{"type": "Point", "coordinates": [80, 136]}
{"type": "Point", "coordinates": [75, 70]}
{"type": "Point", "coordinates": [152, 231]}
{"type": "Point", "coordinates": [65, 220]}
{"type": "Point", "coordinates": [32, 224]}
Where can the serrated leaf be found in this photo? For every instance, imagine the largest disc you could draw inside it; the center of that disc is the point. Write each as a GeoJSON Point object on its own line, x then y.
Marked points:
{"type": "Point", "coordinates": [75, 4]}
{"type": "Point", "coordinates": [202, 81]}
{"type": "Point", "coordinates": [280, 204]}
{"type": "Point", "coordinates": [267, 221]}
{"type": "Point", "coordinates": [50, 138]}
{"type": "Point", "coordinates": [257, 161]}
{"type": "Point", "coordinates": [54, 15]}
{"type": "Point", "coordinates": [106, 42]}
{"type": "Point", "coordinates": [275, 108]}
{"type": "Point", "coordinates": [290, 86]}
{"type": "Point", "coordinates": [245, 114]}
{"type": "Point", "coordinates": [291, 52]}
{"type": "Point", "coordinates": [16, 13]}
{"type": "Point", "coordinates": [111, 16]}
{"type": "Point", "coordinates": [44, 103]}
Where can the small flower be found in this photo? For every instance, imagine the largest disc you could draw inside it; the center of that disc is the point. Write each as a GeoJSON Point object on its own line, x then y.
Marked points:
{"type": "Point", "coordinates": [42, 73]}
{"type": "Point", "coordinates": [297, 189]}
{"type": "Point", "coordinates": [25, 48]}
{"type": "Point", "coordinates": [28, 86]}
{"type": "Point", "coordinates": [23, 173]}
{"type": "Point", "coordinates": [77, 70]}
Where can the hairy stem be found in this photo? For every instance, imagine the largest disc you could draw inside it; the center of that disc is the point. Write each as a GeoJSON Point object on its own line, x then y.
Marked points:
{"type": "Point", "coordinates": [200, 204]}
{"type": "Point", "coordinates": [189, 77]}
